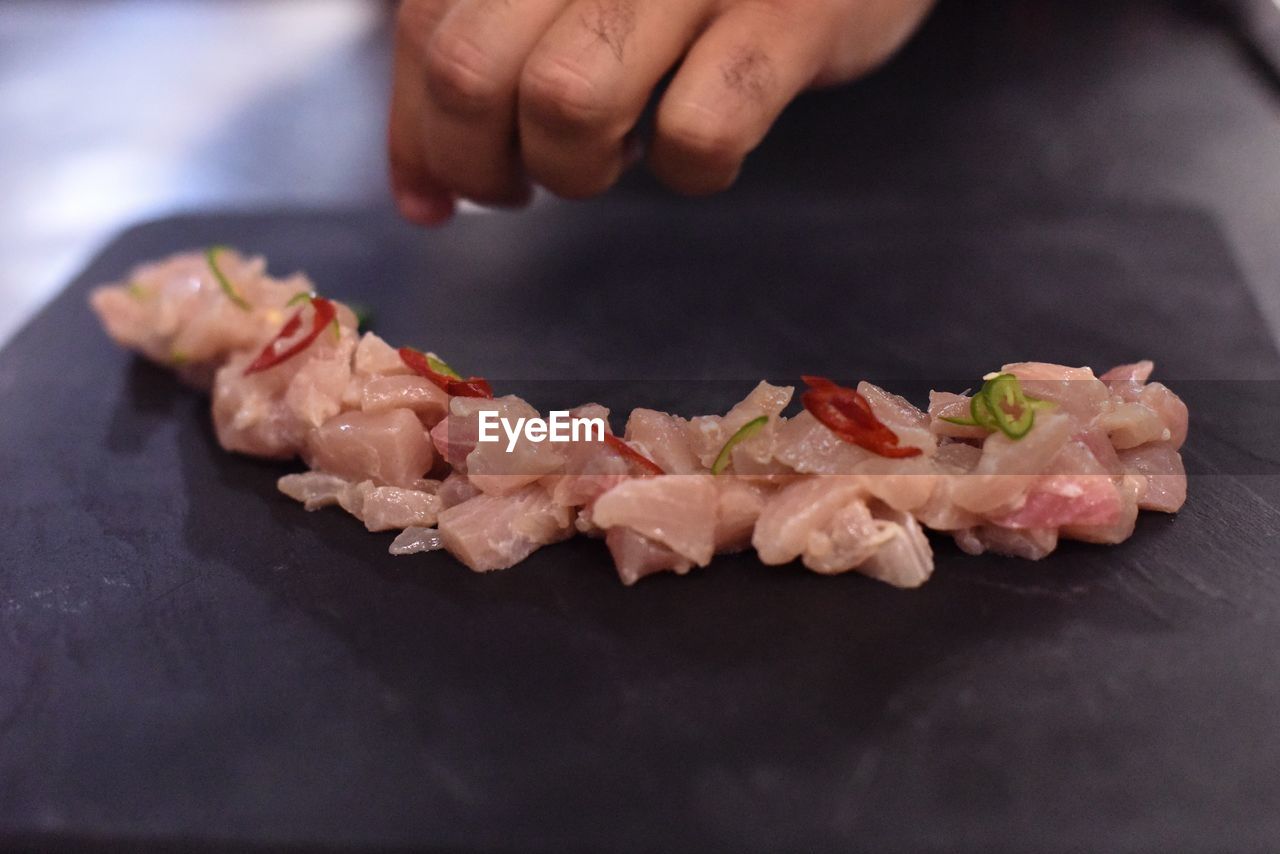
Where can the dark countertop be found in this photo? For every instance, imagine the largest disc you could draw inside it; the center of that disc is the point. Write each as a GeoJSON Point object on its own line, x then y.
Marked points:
{"type": "Point", "coordinates": [1063, 176]}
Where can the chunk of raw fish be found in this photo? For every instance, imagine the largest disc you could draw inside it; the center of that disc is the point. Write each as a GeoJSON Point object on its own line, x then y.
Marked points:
{"type": "Point", "coordinates": [796, 512]}
{"type": "Point", "coordinates": [376, 358]}
{"type": "Point", "coordinates": [1027, 543]}
{"type": "Point", "coordinates": [1076, 391]}
{"type": "Point", "coordinates": [314, 489]}
{"type": "Point", "coordinates": [678, 511]}
{"type": "Point", "coordinates": [456, 488]}
{"type": "Point", "coordinates": [944, 405]}
{"type": "Point", "coordinates": [414, 540]}
{"type": "Point", "coordinates": [664, 439]}
{"type": "Point", "coordinates": [1165, 478]}
{"type": "Point", "coordinates": [1138, 372]}
{"type": "Point", "coordinates": [176, 313]}
{"type": "Point", "coordinates": [426, 399]}
{"type": "Point", "coordinates": [846, 539]}
{"type": "Point", "coordinates": [590, 469]}
{"type": "Point", "coordinates": [911, 426]}
{"type": "Point", "coordinates": [269, 413]}
{"type": "Point", "coordinates": [738, 505]}
{"type": "Point", "coordinates": [905, 559]}
{"type": "Point", "coordinates": [805, 445]}
{"type": "Point", "coordinates": [498, 531]}
{"type": "Point", "coordinates": [1008, 467]}
{"type": "Point", "coordinates": [1120, 528]}
{"type": "Point", "coordinates": [389, 448]}
{"type": "Point", "coordinates": [708, 433]}
{"type": "Point", "coordinates": [390, 508]}
{"type": "Point", "coordinates": [490, 465]}
{"type": "Point", "coordinates": [635, 556]}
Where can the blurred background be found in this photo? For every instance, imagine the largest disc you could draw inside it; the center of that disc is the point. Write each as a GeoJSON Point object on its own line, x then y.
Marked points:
{"type": "Point", "coordinates": [120, 110]}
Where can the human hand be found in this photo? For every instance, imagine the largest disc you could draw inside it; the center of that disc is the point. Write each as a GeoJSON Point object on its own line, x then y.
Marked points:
{"type": "Point", "coordinates": [493, 95]}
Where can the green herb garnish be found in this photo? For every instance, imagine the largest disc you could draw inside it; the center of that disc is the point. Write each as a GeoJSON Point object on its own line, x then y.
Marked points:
{"type": "Point", "coordinates": [746, 431]}
{"type": "Point", "coordinates": [211, 255]}
{"type": "Point", "coordinates": [136, 291]}
{"type": "Point", "coordinates": [299, 298]}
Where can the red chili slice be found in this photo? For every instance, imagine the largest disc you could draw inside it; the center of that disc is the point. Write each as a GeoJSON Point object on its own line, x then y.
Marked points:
{"type": "Point", "coordinates": [632, 454]}
{"type": "Point", "coordinates": [325, 313]}
{"type": "Point", "coordinates": [470, 387]}
{"type": "Point", "coordinates": [847, 413]}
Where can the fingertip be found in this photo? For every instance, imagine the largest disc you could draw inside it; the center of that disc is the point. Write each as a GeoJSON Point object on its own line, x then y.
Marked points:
{"type": "Point", "coordinates": [426, 210]}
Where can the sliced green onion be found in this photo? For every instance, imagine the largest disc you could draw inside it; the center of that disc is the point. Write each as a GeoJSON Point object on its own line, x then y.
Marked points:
{"type": "Point", "coordinates": [990, 408]}
{"type": "Point", "coordinates": [1003, 394]}
{"type": "Point", "coordinates": [211, 255]}
{"type": "Point", "coordinates": [136, 291]}
{"type": "Point", "coordinates": [746, 431]}
{"type": "Point", "coordinates": [440, 367]}
{"type": "Point", "coordinates": [299, 298]}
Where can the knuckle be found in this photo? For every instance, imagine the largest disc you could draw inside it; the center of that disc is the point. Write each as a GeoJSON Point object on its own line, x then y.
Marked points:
{"type": "Point", "coordinates": [415, 21]}
{"type": "Point", "coordinates": [459, 77]}
{"type": "Point", "coordinates": [555, 93]}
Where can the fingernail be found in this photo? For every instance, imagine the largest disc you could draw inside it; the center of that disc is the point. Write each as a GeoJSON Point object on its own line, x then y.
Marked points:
{"type": "Point", "coordinates": [424, 210]}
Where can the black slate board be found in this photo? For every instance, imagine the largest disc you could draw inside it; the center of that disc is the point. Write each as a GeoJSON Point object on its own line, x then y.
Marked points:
{"type": "Point", "coordinates": [189, 657]}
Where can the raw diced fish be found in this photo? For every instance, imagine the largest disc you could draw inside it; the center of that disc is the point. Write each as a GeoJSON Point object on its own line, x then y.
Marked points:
{"type": "Point", "coordinates": [664, 439]}
{"type": "Point", "coordinates": [1028, 543]}
{"type": "Point", "coordinates": [269, 413]}
{"type": "Point", "coordinates": [498, 531]}
{"type": "Point", "coordinates": [678, 511]}
{"type": "Point", "coordinates": [314, 489]}
{"type": "Point", "coordinates": [1160, 466]}
{"type": "Point", "coordinates": [1138, 372]}
{"type": "Point", "coordinates": [1120, 528]}
{"type": "Point", "coordinates": [795, 513]}
{"type": "Point", "coordinates": [456, 489]}
{"type": "Point", "coordinates": [804, 445]}
{"type": "Point", "coordinates": [635, 556]}
{"type": "Point", "coordinates": [1008, 467]}
{"type": "Point", "coordinates": [911, 426]}
{"type": "Point", "coordinates": [904, 484]}
{"type": "Point", "coordinates": [738, 505]}
{"type": "Point", "coordinates": [846, 540]}
{"type": "Point", "coordinates": [590, 468]}
{"type": "Point", "coordinates": [489, 465]}
{"type": "Point", "coordinates": [708, 433]}
{"type": "Point", "coordinates": [390, 508]}
{"type": "Point", "coordinates": [371, 430]}
{"type": "Point", "coordinates": [176, 313]}
{"type": "Point", "coordinates": [414, 540]}
{"type": "Point", "coordinates": [426, 399]}
{"type": "Point", "coordinates": [389, 448]}
{"type": "Point", "coordinates": [1076, 391]}
{"type": "Point", "coordinates": [376, 358]}
{"type": "Point", "coordinates": [944, 405]}
{"type": "Point", "coordinates": [904, 560]}
{"type": "Point", "coordinates": [1170, 408]}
